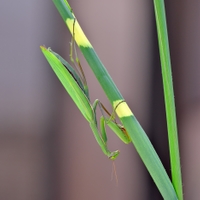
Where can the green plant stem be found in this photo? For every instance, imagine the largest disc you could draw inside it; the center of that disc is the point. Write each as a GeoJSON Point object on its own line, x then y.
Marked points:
{"type": "Point", "coordinates": [169, 97]}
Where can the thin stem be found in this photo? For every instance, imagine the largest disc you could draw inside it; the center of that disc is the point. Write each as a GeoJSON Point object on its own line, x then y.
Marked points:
{"type": "Point", "coordinates": [169, 96]}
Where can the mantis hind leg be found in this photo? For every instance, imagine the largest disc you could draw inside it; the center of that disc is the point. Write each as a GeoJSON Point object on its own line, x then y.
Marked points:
{"type": "Point", "coordinates": [77, 64]}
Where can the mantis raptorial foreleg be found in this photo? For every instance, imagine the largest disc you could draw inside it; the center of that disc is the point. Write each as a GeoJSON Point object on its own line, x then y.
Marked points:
{"type": "Point", "coordinates": [118, 129]}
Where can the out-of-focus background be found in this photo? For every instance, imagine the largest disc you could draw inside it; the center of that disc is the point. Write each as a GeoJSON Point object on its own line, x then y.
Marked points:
{"type": "Point", "coordinates": [47, 150]}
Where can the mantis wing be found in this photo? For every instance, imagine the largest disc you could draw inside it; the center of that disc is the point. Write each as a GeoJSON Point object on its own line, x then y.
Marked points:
{"type": "Point", "coordinates": [70, 83]}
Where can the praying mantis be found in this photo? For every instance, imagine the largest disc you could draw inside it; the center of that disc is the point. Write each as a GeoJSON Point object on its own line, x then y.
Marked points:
{"type": "Point", "coordinates": [74, 82]}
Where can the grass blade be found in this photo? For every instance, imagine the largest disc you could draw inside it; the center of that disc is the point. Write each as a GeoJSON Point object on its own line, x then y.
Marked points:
{"type": "Point", "coordinates": [169, 97]}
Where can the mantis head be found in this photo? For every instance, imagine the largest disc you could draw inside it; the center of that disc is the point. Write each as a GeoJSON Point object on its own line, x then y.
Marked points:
{"type": "Point", "coordinates": [113, 155]}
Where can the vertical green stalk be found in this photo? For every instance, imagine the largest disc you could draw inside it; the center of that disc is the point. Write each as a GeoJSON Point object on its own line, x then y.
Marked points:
{"type": "Point", "coordinates": [168, 96]}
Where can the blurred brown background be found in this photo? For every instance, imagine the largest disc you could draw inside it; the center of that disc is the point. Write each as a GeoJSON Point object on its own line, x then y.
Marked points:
{"type": "Point", "coordinates": [47, 150]}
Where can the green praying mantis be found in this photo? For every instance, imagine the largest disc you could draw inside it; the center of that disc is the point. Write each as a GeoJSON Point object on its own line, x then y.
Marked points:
{"type": "Point", "coordinates": [74, 82]}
